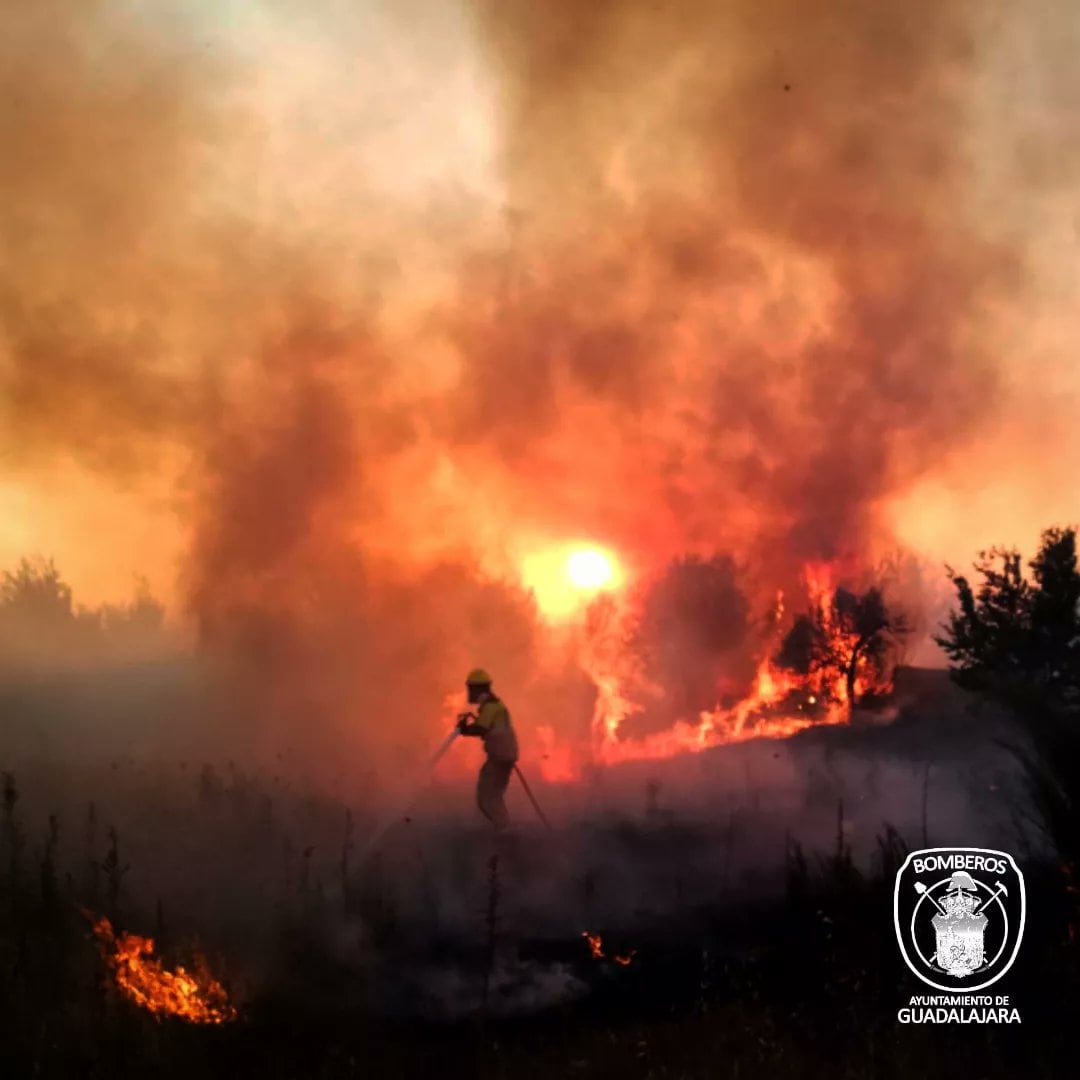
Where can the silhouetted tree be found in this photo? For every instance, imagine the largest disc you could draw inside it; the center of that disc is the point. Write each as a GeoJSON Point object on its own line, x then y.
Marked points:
{"type": "Point", "coordinates": [851, 635]}
{"type": "Point", "coordinates": [35, 592]}
{"type": "Point", "coordinates": [693, 615]}
{"type": "Point", "coordinates": [37, 616]}
{"type": "Point", "coordinates": [1015, 629]}
{"type": "Point", "coordinates": [1016, 639]}
{"type": "Point", "coordinates": [39, 621]}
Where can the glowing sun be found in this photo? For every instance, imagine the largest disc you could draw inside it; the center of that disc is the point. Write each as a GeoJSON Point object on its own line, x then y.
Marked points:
{"type": "Point", "coordinates": [589, 568]}
{"type": "Point", "coordinates": [563, 579]}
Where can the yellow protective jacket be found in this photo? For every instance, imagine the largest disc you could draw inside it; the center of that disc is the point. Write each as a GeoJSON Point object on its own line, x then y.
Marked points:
{"type": "Point", "coordinates": [500, 742]}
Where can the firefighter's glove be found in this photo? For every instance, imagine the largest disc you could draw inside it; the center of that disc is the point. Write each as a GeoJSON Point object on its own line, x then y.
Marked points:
{"type": "Point", "coordinates": [464, 719]}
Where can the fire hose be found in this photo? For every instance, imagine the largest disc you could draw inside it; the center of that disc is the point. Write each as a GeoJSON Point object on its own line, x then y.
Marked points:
{"type": "Point", "coordinates": [532, 798]}
{"type": "Point", "coordinates": [403, 807]}
{"type": "Point", "coordinates": [520, 775]}
{"type": "Point", "coordinates": [446, 744]}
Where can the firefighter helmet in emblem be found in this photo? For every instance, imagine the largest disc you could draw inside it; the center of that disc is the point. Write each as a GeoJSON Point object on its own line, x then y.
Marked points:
{"type": "Point", "coordinates": [959, 915]}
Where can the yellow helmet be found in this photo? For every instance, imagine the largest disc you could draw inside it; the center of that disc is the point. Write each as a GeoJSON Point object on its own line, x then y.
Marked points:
{"type": "Point", "coordinates": [478, 677]}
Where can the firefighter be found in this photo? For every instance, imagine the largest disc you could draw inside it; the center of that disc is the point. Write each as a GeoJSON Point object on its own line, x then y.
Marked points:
{"type": "Point", "coordinates": [490, 722]}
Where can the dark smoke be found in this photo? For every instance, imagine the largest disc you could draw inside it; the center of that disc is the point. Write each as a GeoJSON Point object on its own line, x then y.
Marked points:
{"type": "Point", "coordinates": [692, 632]}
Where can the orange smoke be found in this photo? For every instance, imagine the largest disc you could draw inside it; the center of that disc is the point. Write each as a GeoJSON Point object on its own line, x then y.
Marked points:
{"type": "Point", "coordinates": [194, 996]}
{"type": "Point", "coordinates": [683, 279]}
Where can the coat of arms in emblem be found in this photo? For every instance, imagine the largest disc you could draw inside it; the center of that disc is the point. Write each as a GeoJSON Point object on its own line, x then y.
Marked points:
{"type": "Point", "coordinates": [959, 928]}
{"type": "Point", "coordinates": [959, 915]}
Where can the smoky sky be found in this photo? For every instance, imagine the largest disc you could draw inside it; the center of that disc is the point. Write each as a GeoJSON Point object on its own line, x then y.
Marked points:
{"type": "Point", "coordinates": [759, 247]}
{"type": "Point", "coordinates": [728, 291]}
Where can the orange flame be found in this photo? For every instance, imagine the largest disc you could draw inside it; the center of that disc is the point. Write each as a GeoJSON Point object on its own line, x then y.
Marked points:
{"type": "Point", "coordinates": [193, 996]}
{"type": "Point", "coordinates": [780, 702]}
{"type": "Point", "coordinates": [596, 950]}
{"type": "Point", "coordinates": [596, 944]}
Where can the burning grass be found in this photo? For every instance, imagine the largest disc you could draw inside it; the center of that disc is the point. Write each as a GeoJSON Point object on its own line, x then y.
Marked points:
{"type": "Point", "coordinates": [194, 996]}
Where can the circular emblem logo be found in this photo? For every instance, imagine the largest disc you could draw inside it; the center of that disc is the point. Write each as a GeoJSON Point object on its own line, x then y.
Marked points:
{"type": "Point", "coordinates": [959, 915]}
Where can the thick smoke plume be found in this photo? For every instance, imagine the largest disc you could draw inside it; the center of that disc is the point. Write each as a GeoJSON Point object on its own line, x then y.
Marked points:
{"type": "Point", "coordinates": [709, 280]}
{"type": "Point", "coordinates": [747, 249]}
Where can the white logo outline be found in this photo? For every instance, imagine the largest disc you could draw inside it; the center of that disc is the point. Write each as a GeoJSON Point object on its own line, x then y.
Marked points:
{"type": "Point", "coordinates": [1020, 930]}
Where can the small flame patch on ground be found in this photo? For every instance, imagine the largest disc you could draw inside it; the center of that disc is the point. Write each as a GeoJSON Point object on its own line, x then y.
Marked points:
{"type": "Point", "coordinates": [195, 996]}
{"type": "Point", "coordinates": [596, 950]}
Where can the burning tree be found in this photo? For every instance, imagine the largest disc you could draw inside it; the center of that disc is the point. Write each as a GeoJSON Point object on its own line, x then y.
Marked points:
{"type": "Point", "coordinates": [845, 644]}
{"type": "Point", "coordinates": [843, 648]}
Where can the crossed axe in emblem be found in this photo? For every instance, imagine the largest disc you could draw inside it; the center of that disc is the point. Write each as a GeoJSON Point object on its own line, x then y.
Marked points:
{"type": "Point", "coordinates": [921, 889]}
